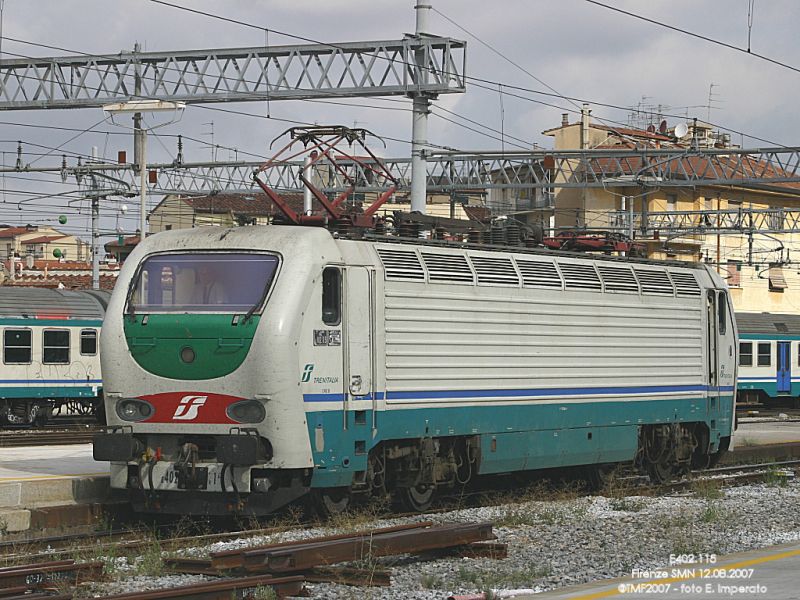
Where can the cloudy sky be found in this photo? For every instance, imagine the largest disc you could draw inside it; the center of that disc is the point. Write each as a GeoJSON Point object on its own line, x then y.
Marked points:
{"type": "Point", "coordinates": [571, 48]}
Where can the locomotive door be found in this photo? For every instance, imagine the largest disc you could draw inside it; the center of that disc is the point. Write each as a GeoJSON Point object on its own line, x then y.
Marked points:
{"type": "Point", "coordinates": [713, 349]}
{"type": "Point", "coordinates": [358, 367]}
{"type": "Point", "coordinates": [784, 373]}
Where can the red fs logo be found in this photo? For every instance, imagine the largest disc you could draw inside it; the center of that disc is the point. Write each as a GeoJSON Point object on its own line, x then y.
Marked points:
{"type": "Point", "coordinates": [190, 407]}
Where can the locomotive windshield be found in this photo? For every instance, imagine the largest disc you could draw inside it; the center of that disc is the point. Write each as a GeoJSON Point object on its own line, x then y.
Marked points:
{"type": "Point", "coordinates": [231, 283]}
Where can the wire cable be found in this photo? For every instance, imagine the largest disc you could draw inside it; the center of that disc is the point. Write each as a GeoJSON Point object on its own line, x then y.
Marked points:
{"type": "Point", "coordinates": [695, 35]}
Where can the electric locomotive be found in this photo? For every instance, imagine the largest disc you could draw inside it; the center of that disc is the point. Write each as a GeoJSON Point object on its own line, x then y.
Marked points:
{"type": "Point", "coordinates": [246, 368]}
{"type": "Point", "coordinates": [51, 358]}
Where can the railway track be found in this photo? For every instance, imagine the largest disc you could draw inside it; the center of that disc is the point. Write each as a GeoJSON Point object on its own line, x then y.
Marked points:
{"type": "Point", "coordinates": [283, 566]}
{"type": "Point", "coordinates": [78, 434]}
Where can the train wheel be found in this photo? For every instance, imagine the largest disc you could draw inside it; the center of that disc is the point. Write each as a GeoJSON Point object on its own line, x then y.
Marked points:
{"type": "Point", "coordinates": [660, 472]}
{"type": "Point", "coordinates": [600, 477]}
{"type": "Point", "coordinates": [331, 502]}
{"type": "Point", "coordinates": [416, 499]}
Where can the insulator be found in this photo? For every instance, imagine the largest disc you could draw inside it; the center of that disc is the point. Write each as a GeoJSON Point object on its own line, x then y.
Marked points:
{"type": "Point", "coordinates": [474, 236]}
{"type": "Point", "coordinates": [512, 233]}
{"type": "Point", "coordinates": [498, 236]}
{"type": "Point", "coordinates": [439, 233]}
{"type": "Point", "coordinates": [343, 227]}
{"type": "Point", "coordinates": [380, 227]}
{"type": "Point", "coordinates": [409, 229]}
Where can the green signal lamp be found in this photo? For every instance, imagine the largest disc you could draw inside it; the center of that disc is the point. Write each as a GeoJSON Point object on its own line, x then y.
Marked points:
{"type": "Point", "coordinates": [62, 219]}
{"type": "Point", "coordinates": [57, 253]}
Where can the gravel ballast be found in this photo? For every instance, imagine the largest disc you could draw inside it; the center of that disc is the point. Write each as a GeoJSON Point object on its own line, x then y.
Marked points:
{"type": "Point", "coordinates": [555, 542]}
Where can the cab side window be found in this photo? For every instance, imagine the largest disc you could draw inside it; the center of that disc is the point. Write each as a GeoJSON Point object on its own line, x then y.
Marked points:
{"type": "Point", "coordinates": [331, 296]}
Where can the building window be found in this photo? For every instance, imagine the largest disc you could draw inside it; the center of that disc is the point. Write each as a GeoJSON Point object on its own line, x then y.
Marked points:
{"type": "Point", "coordinates": [88, 342]}
{"type": "Point", "coordinates": [764, 354]}
{"type": "Point", "coordinates": [745, 354]}
{"type": "Point", "coordinates": [55, 349]}
{"type": "Point", "coordinates": [17, 346]}
{"type": "Point", "coordinates": [331, 296]}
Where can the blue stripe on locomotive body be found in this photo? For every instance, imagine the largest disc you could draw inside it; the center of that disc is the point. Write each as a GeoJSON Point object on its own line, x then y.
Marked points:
{"type": "Point", "coordinates": [513, 437]}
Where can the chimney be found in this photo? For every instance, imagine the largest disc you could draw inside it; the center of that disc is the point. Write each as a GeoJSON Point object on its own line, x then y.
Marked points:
{"type": "Point", "coordinates": [564, 119]}
{"type": "Point", "coordinates": [585, 112]}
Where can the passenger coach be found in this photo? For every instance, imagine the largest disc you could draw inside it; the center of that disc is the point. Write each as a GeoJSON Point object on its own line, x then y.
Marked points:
{"type": "Point", "coordinates": [248, 367]}
{"type": "Point", "coordinates": [51, 358]}
{"type": "Point", "coordinates": [769, 358]}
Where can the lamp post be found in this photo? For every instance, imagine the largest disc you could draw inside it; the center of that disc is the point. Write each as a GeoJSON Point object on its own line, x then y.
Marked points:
{"type": "Point", "coordinates": [138, 107]}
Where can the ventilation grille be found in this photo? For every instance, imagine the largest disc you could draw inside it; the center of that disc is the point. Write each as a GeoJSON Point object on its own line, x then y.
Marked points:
{"type": "Point", "coordinates": [401, 264]}
{"type": "Point", "coordinates": [655, 282]}
{"type": "Point", "coordinates": [495, 270]}
{"type": "Point", "coordinates": [580, 277]}
{"type": "Point", "coordinates": [539, 274]}
{"type": "Point", "coordinates": [618, 279]}
{"type": "Point", "coordinates": [685, 283]}
{"type": "Point", "coordinates": [448, 267]}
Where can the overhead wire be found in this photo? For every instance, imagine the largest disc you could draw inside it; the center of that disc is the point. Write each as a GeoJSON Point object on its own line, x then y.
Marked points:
{"type": "Point", "coordinates": [696, 35]}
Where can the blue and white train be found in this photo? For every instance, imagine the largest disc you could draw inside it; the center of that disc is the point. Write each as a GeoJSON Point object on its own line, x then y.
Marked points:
{"type": "Point", "coordinates": [769, 358]}
{"type": "Point", "coordinates": [51, 354]}
{"type": "Point", "coordinates": [246, 368]}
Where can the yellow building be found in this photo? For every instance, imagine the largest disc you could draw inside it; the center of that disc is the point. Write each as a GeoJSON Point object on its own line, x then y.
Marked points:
{"type": "Point", "coordinates": [757, 266]}
{"type": "Point", "coordinates": [39, 242]}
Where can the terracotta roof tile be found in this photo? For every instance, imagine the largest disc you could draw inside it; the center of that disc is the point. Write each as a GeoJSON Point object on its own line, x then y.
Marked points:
{"type": "Point", "coordinates": [71, 282]}
{"type": "Point", "coordinates": [256, 204]}
{"type": "Point", "coordinates": [15, 231]}
{"type": "Point", "coordinates": [44, 239]}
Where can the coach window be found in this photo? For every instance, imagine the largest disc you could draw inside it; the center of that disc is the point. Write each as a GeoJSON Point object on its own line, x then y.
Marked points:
{"type": "Point", "coordinates": [56, 347]}
{"type": "Point", "coordinates": [764, 354]}
{"type": "Point", "coordinates": [745, 354]}
{"type": "Point", "coordinates": [722, 313]}
{"type": "Point", "coordinates": [17, 346]}
{"type": "Point", "coordinates": [88, 342]}
{"type": "Point", "coordinates": [331, 296]}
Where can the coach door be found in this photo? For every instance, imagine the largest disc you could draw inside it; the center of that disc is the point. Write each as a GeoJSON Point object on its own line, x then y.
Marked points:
{"type": "Point", "coordinates": [784, 373]}
{"type": "Point", "coordinates": [359, 326]}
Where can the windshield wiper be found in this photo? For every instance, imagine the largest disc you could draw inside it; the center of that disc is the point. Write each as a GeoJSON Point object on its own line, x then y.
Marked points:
{"type": "Point", "coordinates": [130, 310]}
{"type": "Point", "coordinates": [250, 312]}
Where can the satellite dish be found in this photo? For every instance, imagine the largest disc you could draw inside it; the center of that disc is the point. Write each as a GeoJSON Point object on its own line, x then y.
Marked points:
{"type": "Point", "coordinates": [681, 129]}
{"type": "Point", "coordinates": [662, 128]}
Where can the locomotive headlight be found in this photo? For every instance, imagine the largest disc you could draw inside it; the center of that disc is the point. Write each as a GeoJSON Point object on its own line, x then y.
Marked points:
{"type": "Point", "coordinates": [246, 411]}
{"type": "Point", "coordinates": [134, 410]}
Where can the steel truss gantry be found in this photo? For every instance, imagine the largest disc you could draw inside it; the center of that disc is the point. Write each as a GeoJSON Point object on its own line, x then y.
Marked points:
{"type": "Point", "coordinates": [430, 64]}
{"type": "Point", "coordinates": [776, 170]}
{"type": "Point", "coordinates": [700, 222]}
{"type": "Point", "coordinates": [773, 169]}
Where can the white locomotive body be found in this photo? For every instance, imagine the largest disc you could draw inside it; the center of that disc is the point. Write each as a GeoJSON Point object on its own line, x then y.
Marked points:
{"type": "Point", "coordinates": [247, 367]}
